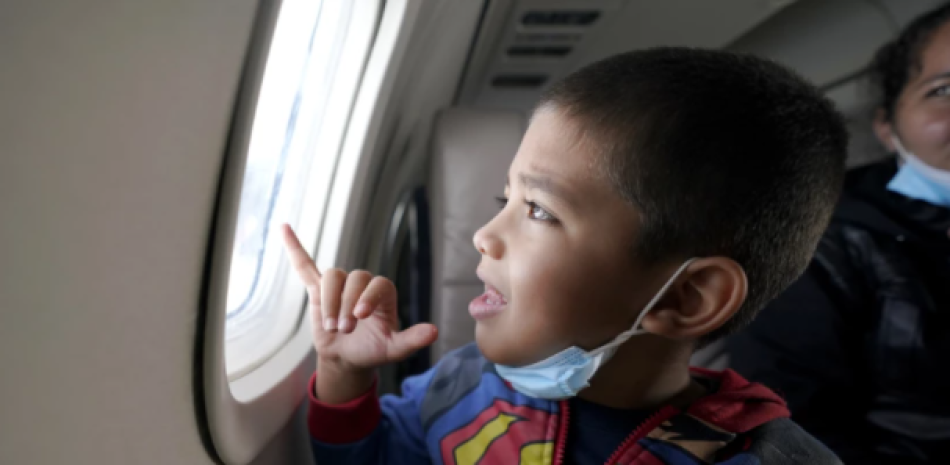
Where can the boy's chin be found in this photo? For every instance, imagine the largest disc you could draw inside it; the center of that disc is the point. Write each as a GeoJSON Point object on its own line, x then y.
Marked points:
{"type": "Point", "coordinates": [492, 346]}
{"type": "Point", "coordinates": [496, 348]}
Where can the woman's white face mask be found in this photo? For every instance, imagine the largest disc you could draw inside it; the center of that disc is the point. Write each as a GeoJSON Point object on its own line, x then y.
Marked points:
{"type": "Point", "coordinates": [918, 180]}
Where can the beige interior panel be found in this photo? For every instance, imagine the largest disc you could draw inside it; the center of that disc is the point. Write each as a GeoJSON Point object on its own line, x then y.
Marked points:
{"type": "Point", "coordinates": [113, 125]}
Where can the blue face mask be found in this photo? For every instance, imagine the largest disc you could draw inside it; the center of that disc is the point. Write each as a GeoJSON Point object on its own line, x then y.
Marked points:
{"type": "Point", "coordinates": [918, 180]}
{"type": "Point", "coordinates": [565, 373]}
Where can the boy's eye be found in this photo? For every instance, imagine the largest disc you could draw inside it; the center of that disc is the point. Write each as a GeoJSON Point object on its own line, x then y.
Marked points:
{"type": "Point", "coordinates": [535, 212]}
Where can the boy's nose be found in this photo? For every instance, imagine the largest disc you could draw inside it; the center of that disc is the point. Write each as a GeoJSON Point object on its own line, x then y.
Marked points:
{"type": "Point", "coordinates": [487, 244]}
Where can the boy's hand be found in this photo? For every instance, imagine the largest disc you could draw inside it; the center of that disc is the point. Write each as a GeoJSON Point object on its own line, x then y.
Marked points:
{"type": "Point", "coordinates": [355, 325]}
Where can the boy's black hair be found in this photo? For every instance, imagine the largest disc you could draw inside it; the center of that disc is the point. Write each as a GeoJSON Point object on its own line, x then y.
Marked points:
{"type": "Point", "coordinates": [721, 154]}
{"type": "Point", "coordinates": [898, 60]}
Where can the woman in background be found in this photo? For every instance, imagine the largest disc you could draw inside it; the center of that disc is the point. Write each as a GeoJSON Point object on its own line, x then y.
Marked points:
{"type": "Point", "coordinates": [860, 346]}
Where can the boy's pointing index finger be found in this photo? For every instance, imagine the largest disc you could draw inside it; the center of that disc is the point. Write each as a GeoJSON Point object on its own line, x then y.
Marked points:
{"type": "Point", "coordinates": [299, 258]}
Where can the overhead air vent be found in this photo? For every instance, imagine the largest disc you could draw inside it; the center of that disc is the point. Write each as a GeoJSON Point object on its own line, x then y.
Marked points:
{"type": "Point", "coordinates": [560, 18]}
{"type": "Point", "coordinates": [547, 38]}
{"type": "Point", "coordinates": [519, 81]}
{"type": "Point", "coordinates": [527, 51]}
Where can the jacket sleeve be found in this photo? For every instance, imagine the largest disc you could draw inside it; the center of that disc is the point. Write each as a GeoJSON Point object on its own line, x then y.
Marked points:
{"type": "Point", "coordinates": [807, 345]}
{"type": "Point", "coordinates": [368, 430]}
{"type": "Point", "coordinates": [796, 345]}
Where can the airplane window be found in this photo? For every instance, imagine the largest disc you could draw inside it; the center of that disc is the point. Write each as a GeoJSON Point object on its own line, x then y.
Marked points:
{"type": "Point", "coordinates": [296, 86]}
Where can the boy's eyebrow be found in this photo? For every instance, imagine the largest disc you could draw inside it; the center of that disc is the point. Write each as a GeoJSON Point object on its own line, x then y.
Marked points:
{"type": "Point", "coordinates": [546, 184]}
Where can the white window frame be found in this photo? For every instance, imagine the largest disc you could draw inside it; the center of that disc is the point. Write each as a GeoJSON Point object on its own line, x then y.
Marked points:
{"type": "Point", "coordinates": [271, 312]}
{"type": "Point", "coordinates": [245, 413]}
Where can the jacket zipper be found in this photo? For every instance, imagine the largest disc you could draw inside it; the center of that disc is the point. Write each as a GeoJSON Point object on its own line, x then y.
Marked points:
{"type": "Point", "coordinates": [649, 425]}
{"type": "Point", "coordinates": [562, 433]}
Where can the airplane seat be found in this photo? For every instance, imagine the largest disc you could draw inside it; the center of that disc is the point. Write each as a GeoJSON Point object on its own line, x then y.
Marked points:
{"type": "Point", "coordinates": [471, 152]}
{"type": "Point", "coordinates": [413, 274]}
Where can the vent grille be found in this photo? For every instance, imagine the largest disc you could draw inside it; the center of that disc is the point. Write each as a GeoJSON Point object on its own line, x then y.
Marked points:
{"type": "Point", "coordinates": [519, 81]}
{"type": "Point", "coordinates": [526, 51]}
{"type": "Point", "coordinates": [548, 38]}
{"type": "Point", "coordinates": [560, 18]}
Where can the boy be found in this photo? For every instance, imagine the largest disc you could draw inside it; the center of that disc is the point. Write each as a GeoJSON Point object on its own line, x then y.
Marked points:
{"type": "Point", "coordinates": [658, 200]}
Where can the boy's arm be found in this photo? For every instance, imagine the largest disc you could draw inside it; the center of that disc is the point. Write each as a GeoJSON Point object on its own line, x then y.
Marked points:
{"type": "Point", "coordinates": [367, 430]}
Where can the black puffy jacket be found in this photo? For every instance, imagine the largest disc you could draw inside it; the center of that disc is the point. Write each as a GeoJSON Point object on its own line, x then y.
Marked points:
{"type": "Point", "coordinates": [860, 345]}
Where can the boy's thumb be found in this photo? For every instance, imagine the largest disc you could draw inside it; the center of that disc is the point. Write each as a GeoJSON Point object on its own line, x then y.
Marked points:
{"type": "Point", "coordinates": [408, 341]}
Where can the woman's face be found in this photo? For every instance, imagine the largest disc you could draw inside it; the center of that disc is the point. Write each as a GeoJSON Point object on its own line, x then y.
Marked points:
{"type": "Point", "coordinates": [922, 113]}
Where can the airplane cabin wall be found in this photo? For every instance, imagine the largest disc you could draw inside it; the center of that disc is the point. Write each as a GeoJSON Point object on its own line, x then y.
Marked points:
{"type": "Point", "coordinates": [113, 127]}
{"type": "Point", "coordinates": [428, 82]}
{"type": "Point", "coordinates": [832, 43]}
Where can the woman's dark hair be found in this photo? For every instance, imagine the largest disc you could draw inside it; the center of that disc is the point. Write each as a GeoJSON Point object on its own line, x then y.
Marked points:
{"type": "Point", "coordinates": [895, 62]}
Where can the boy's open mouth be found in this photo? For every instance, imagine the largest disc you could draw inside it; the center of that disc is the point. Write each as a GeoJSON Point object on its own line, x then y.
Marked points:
{"type": "Point", "coordinates": [488, 304]}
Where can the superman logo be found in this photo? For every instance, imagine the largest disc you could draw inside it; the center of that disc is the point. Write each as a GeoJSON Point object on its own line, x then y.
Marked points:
{"type": "Point", "coordinates": [500, 433]}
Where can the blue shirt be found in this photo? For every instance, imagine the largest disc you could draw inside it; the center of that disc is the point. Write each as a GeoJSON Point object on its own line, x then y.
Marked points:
{"type": "Point", "coordinates": [595, 432]}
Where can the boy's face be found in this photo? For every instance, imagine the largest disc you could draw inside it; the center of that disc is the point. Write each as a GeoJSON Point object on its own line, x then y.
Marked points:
{"type": "Point", "coordinates": [559, 252]}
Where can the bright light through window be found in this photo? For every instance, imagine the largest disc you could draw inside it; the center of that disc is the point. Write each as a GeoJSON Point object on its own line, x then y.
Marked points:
{"type": "Point", "coordinates": [271, 146]}
{"type": "Point", "coordinates": [297, 87]}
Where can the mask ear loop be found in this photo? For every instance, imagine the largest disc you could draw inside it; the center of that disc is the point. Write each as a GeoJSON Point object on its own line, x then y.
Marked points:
{"type": "Point", "coordinates": [636, 330]}
{"type": "Point", "coordinates": [901, 151]}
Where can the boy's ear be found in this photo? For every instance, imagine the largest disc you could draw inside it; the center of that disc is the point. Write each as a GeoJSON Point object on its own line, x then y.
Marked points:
{"type": "Point", "coordinates": [706, 296]}
{"type": "Point", "coordinates": [884, 130]}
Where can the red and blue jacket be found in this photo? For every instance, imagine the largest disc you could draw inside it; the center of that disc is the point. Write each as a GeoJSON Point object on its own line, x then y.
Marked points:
{"type": "Point", "coordinates": [461, 413]}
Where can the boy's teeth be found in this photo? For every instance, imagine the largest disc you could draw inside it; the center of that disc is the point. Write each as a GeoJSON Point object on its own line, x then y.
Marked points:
{"type": "Point", "coordinates": [493, 297]}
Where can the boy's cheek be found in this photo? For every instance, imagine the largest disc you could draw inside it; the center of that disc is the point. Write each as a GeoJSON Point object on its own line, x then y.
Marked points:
{"type": "Point", "coordinates": [523, 334]}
